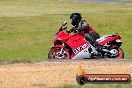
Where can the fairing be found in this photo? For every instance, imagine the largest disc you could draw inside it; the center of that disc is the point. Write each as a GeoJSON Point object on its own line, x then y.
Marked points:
{"type": "Point", "coordinates": [108, 38]}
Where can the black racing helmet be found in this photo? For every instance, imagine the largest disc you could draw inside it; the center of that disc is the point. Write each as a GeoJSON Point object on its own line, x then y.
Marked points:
{"type": "Point", "coordinates": [75, 17]}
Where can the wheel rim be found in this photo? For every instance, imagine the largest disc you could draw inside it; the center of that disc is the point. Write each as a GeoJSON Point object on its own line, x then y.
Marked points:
{"type": "Point", "coordinates": [56, 54]}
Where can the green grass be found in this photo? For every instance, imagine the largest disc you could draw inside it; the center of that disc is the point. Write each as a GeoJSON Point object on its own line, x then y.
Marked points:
{"type": "Point", "coordinates": [98, 86]}
{"type": "Point", "coordinates": [27, 27]}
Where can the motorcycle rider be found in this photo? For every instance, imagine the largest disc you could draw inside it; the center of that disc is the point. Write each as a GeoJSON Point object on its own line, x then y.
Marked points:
{"type": "Point", "coordinates": [82, 27]}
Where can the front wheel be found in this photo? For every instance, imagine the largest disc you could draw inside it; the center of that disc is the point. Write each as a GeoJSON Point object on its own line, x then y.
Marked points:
{"type": "Point", "coordinates": [58, 53]}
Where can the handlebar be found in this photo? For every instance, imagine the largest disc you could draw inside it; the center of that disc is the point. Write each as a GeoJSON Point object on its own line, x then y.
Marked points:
{"type": "Point", "coordinates": [63, 27]}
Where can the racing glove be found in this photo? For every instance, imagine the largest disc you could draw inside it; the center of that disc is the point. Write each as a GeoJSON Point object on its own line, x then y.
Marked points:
{"type": "Point", "coordinates": [70, 30]}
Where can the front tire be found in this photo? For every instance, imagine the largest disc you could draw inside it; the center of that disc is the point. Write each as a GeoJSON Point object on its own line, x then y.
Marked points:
{"type": "Point", "coordinates": [55, 53]}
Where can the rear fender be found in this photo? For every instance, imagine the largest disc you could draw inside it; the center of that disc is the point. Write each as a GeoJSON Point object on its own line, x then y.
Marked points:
{"type": "Point", "coordinates": [108, 39]}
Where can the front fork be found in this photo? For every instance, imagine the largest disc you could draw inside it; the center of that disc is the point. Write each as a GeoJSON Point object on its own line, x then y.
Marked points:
{"type": "Point", "coordinates": [62, 49]}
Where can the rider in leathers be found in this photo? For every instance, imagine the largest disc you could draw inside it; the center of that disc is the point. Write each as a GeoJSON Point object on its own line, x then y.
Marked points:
{"type": "Point", "coordinates": [81, 26]}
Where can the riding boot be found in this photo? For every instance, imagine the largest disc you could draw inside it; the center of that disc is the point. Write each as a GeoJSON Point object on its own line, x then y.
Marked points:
{"type": "Point", "coordinates": [93, 42]}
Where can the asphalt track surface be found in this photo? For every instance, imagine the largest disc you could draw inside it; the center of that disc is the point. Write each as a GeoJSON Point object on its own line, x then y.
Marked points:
{"type": "Point", "coordinates": [52, 73]}
{"type": "Point", "coordinates": [105, 1]}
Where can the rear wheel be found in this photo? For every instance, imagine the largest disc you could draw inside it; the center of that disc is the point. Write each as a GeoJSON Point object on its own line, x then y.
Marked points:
{"type": "Point", "coordinates": [116, 53]}
{"type": "Point", "coordinates": [58, 53]}
{"type": "Point", "coordinates": [120, 53]}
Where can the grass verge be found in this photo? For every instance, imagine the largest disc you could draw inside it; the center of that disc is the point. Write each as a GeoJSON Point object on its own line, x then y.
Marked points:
{"type": "Point", "coordinates": [27, 27]}
{"type": "Point", "coordinates": [98, 86]}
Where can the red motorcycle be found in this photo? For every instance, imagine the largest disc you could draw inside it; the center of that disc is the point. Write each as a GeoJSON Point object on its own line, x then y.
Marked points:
{"type": "Point", "coordinates": [75, 46]}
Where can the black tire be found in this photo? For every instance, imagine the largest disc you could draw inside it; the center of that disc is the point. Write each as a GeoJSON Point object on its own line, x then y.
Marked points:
{"type": "Point", "coordinates": [51, 53]}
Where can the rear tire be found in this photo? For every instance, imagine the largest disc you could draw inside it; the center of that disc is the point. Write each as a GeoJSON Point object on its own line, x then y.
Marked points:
{"type": "Point", "coordinates": [55, 55]}
{"type": "Point", "coordinates": [120, 53]}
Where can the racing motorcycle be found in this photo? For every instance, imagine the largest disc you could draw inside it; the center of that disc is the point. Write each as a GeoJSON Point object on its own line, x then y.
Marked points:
{"type": "Point", "coordinates": [75, 46]}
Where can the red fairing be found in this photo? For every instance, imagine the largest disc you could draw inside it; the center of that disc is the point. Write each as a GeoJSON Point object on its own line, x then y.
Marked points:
{"type": "Point", "coordinates": [109, 39]}
{"type": "Point", "coordinates": [62, 36]}
{"type": "Point", "coordinates": [73, 41]}
{"type": "Point", "coordinates": [76, 41]}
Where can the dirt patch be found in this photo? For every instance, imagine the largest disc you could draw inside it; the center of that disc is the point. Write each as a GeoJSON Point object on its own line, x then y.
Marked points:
{"type": "Point", "coordinates": [52, 74]}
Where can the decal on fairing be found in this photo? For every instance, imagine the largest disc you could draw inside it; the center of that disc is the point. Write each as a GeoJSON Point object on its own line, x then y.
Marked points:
{"type": "Point", "coordinates": [80, 48]}
{"type": "Point", "coordinates": [83, 54]}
